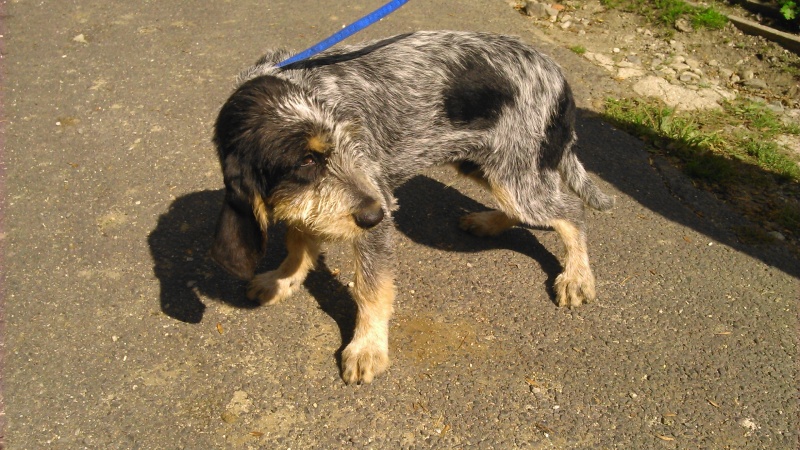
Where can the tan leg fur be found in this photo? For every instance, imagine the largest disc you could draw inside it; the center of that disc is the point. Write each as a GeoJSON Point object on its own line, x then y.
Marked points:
{"type": "Point", "coordinates": [272, 287]}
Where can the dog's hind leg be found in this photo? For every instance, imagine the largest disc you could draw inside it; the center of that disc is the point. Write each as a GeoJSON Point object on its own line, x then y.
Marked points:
{"type": "Point", "coordinates": [367, 354]}
{"type": "Point", "coordinates": [482, 223]}
{"type": "Point", "coordinates": [575, 285]}
{"type": "Point", "coordinates": [272, 287]}
{"type": "Point", "coordinates": [542, 203]}
{"type": "Point", "coordinates": [487, 223]}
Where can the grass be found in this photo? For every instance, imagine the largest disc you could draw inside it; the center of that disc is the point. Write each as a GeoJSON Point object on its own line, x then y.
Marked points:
{"type": "Point", "coordinates": [730, 152]}
{"type": "Point", "coordinates": [667, 12]}
{"type": "Point", "coordinates": [743, 131]}
{"type": "Point", "coordinates": [578, 49]}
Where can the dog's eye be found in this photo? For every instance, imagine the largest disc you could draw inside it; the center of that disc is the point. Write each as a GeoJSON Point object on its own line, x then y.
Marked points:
{"type": "Point", "coordinates": [307, 160]}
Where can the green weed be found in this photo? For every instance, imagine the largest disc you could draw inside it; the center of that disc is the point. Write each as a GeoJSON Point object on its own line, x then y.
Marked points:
{"type": "Point", "coordinates": [708, 142]}
{"type": "Point", "coordinates": [709, 18]}
{"type": "Point", "coordinates": [667, 12]}
{"type": "Point", "coordinates": [578, 49]}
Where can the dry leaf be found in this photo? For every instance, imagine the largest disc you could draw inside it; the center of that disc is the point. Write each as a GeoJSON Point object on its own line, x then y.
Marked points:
{"type": "Point", "coordinates": [219, 328]}
{"type": "Point", "coordinates": [665, 438]}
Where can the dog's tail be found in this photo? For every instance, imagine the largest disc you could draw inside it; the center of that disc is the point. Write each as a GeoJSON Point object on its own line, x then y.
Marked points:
{"type": "Point", "coordinates": [575, 176]}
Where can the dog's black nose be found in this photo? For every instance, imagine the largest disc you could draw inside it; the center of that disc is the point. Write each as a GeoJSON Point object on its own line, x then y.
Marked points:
{"type": "Point", "coordinates": [369, 214]}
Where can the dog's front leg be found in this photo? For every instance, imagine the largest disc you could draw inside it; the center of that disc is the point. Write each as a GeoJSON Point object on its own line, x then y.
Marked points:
{"type": "Point", "coordinates": [367, 354]}
{"type": "Point", "coordinates": [272, 287]}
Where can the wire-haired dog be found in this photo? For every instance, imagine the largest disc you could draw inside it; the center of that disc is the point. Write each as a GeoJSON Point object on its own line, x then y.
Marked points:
{"type": "Point", "coordinates": [322, 144]}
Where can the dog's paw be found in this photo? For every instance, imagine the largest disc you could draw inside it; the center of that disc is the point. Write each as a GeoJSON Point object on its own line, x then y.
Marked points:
{"type": "Point", "coordinates": [268, 288]}
{"type": "Point", "coordinates": [574, 291]}
{"type": "Point", "coordinates": [486, 223]}
{"type": "Point", "coordinates": [362, 361]}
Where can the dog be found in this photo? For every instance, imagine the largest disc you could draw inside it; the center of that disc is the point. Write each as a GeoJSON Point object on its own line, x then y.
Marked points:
{"type": "Point", "coordinates": [321, 145]}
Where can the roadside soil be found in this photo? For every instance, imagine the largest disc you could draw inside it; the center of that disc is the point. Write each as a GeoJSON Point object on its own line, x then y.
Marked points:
{"type": "Point", "coordinates": [631, 47]}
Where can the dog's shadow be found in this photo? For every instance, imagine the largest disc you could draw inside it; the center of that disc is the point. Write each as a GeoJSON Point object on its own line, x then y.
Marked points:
{"type": "Point", "coordinates": [179, 247]}
{"type": "Point", "coordinates": [429, 215]}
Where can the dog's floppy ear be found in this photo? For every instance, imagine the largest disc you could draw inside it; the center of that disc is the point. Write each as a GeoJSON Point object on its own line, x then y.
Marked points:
{"type": "Point", "coordinates": [240, 240]}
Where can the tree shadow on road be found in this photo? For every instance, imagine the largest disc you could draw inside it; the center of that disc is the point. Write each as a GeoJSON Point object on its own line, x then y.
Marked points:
{"type": "Point", "coordinates": [623, 161]}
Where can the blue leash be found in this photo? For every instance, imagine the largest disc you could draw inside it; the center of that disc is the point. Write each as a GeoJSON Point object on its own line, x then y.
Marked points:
{"type": "Point", "coordinates": [345, 32]}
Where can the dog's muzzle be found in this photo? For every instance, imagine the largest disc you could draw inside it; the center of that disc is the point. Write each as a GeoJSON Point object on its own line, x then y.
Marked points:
{"type": "Point", "coordinates": [369, 214]}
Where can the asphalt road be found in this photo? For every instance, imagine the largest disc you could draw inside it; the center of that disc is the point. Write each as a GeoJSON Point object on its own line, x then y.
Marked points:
{"type": "Point", "coordinates": [119, 333]}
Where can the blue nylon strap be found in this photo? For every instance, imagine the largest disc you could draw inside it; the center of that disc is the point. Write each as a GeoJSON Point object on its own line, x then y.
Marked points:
{"type": "Point", "coordinates": [345, 32]}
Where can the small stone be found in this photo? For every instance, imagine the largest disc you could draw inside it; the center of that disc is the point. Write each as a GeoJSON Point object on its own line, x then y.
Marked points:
{"type": "Point", "coordinates": [666, 72]}
{"type": "Point", "coordinates": [565, 25]}
{"type": "Point", "coordinates": [537, 10]}
{"type": "Point", "coordinates": [750, 424]}
{"type": "Point", "coordinates": [734, 78]}
{"type": "Point", "coordinates": [755, 83]}
{"type": "Point", "coordinates": [679, 66]}
{"type": "Point", "coordinates": [627, 72]}
{"type": "Point", "coordinates": [616, 50]}
{"type": "Point", "coordinates": [657, 62]}
{"type": "Point", "coordinates": [693, 63]}
{"type": "Point", "coordinates": [725, 74]}
{"type": "Point", "coordinates": [552, 12]}
{"type": "Point", "coordinates": [81, 39]}
{"type": "Point", "coordinates": [229, 417]}
{"type": "Point", "coordinates": [777, 235]}
{"type": "Point", "coordinates": [775, 107]}
{"type": "Point", "coordinates": [633, 59]}
{"type": "Point", "coordinates": [602, 60]}
{"type": "Point", "coordinates": [747, 74]}
{"type": "Point", "coordinates": [677, 45]}
{"type": "Point", "coordinates": [689, 77]}
{"type": "Point", "coordinates": [683, 25]}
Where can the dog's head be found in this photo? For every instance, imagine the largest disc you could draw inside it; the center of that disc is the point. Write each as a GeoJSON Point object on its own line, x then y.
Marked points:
{"type": "Point", "coordinates": [285, 157]}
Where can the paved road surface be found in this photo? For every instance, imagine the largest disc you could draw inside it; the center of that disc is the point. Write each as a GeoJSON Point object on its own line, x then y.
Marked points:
{"type": "Point", "coordinates": [119, 333]}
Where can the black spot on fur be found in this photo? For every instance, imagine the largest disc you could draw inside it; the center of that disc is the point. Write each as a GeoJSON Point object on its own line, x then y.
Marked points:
{"type": "Point", "coordinates": [477, 94]}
